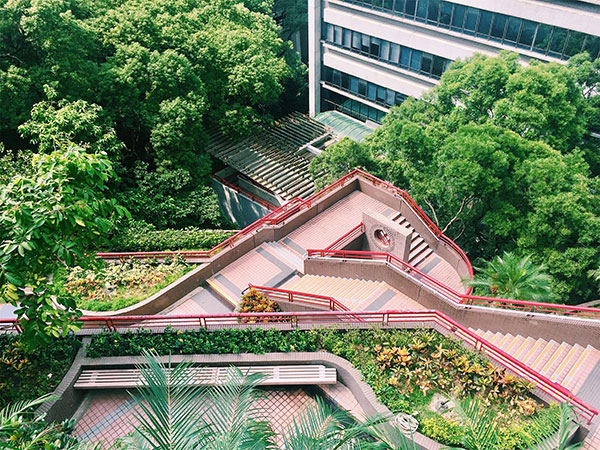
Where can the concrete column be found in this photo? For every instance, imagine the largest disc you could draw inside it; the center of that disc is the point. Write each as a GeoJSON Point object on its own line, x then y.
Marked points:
{"type": "Point", "coordinates": [314, 57]}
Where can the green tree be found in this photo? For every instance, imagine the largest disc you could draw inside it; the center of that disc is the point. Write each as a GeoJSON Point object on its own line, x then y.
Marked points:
{"type": "Point", "coordinates": [47, 220]}
{"type": "Point", "coordinates": [511, 276]}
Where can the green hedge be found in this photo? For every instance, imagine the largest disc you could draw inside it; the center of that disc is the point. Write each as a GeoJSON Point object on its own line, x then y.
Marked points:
{"type": "Point", "coordinates": [143, 237]}
{"type": "Point", "coordinates": [26, 376]}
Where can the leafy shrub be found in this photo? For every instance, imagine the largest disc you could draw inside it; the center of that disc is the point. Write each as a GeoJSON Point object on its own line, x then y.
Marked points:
{"type": "Point", "coordinates": [442, 430]}
{"type": "Point", "coordinates": [110, 286]}
{"type": "Point", "coordinates": [27, 375]}
{"type": "Point", "coordinates": [255, 302]}
{"type": "Point", "coordinates": [139, 236]}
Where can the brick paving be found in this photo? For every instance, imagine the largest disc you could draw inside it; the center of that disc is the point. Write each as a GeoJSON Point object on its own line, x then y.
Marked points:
{"type": "Point", "coordinates": [110, 416]}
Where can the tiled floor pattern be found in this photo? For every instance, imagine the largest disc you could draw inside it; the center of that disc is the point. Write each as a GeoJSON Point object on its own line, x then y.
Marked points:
{"type": "Point", "coordinates": [110, 416]}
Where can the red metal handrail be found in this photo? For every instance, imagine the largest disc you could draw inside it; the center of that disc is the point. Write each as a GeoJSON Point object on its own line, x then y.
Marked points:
{"type": "Point", "coordinates": [245, 193]}
{"type": "Point", "coordinates": [340, 319]}
{"type": "Point", "coordinates": [346, 238]}
{"type": "Point", "coordinates": [453, 295]}
{"type": "Point", "coordinates": [301, 297]}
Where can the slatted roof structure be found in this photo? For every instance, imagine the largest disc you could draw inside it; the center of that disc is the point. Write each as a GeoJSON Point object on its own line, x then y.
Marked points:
{"type": "Point", "coordinates": [277, 157]}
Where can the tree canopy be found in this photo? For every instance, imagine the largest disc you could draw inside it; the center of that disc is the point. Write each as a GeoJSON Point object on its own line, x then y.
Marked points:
{"type": "Point", "coordinates": [499, 156]}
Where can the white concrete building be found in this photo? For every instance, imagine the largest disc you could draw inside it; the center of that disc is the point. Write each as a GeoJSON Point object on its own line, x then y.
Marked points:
{"type": "Point", "coordinates": [366, 55]}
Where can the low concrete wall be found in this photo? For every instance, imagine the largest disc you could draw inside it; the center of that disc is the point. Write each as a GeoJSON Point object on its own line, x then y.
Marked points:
{"type": "Point", "coordinates": [567, 329]}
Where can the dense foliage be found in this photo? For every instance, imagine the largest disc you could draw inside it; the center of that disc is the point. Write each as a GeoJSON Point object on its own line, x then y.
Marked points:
{"type": "Point", "coordinates": [110, 286]}
{"type": "Point", "coordinates": [137, 236]}
{"type": "Point", "coordinates": [26, 375]}
{"type": "Point", "coordinates": [499, 156]}
{"type": "Point", "coordinates": [47, 219]}
{"type": "Point", "coordinates": [404, 368]}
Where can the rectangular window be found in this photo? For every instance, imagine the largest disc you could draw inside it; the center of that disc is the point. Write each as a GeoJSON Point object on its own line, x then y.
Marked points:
{"type": "Point", "coordinates": [380, 94]}
{"type": "Point", "coordinates": [328, 74]}
{"type": "Point", "coordinates": [347, 38]}
{"type": "Point", "coordinates": [405, 57]}
{"type": "Point", "coordinates": [557, 44]}
{"type": "Point", "coordinates": [446, 14]}
{"type": "Point", "coordinates": [433, 12]}
{"type": "Point", "coordinates": [426, 61]}
{"type": "Point", "coordinates": [354, 84]}
{"type": "Point", "coordinates": [458, 18]}
{"type": "Point", "coordinates": [375, 46]}
{"type": "Point", "coordinates": [574, 43]}
{"type": "Point", "coordinates": [385, 50]}
{"type": "Point", "coordinates": [388, 4]}
{"type": "Point", "coordinates": [410, 7]}
{"type": "Point", "coordinates": [415, 60]}
{"type": "Point", "coordinates": [485, 22]}
{"type": "Point", "coordinates": [373, 114]}
{"type": "Point", "coordinates": [356, 40]}
{"type": "Point", "coordinates": [438, 66]}
{"type": "Point", "coordinates": [422, 10]}
{"type": "Point", "coordinates": [377, 3]}
{"type": "Point", "coordinates": [362, 87]}
{"type": "Point", "coordinates": [471, 20]}
{"type": "Point", "coordinates": [542, 37]}
{"type": "Point", "coordinates": [337, 78]}
{"type": "Point", "coordinates": [399, 98]}
{"type": "Point", "coordinates": [364, 110]}
{"type": "Point", "coordinates": [372, 91]}
{"type": "Point", "coordinates": [345, 81]}
{"type": "Point", "coordinates": [366, 43]}
{"type": "Point", "coordinates": [395, 53]}
{"type": "Point", "coordinates": [592, 46]}
{"type": "Point", "coordinates": [399, 6]}
{"type": "Point", "coordinates": [512, 29]}
{"type": "Point", "coordinates": [337, 35]}
{"type": "Point", "coordinates": [527, 33]}
{"type": "Point", "coordinates": [329, 36]}
{"type": "Point", "coordinates": [497, 32]}
{"type": "Point", "coordinates": [389, 97]}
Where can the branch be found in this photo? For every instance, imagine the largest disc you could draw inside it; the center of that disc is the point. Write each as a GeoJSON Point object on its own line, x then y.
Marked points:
{"type": "Point", "coordinates": [435, 218]}
{"type": "Point", "coordinates": [462, 206]}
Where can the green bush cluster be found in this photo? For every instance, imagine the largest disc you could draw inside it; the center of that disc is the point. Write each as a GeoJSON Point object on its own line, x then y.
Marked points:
{"type": "Point", "coordinates": [139, 236]}
{"type": "Point", "coordinates": [28, 375]}
{"type": "Point", "coordinates": [442, 430]}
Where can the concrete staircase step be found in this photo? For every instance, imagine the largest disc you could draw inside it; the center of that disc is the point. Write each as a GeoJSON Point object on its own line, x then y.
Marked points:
{"type": "Point", "coordinates": [285, 255]}
{"type": "Point", "coordinates": [532, 354]}
{"type": "Point", "coordinates": [554, 360]}
{"type": "Point", "coordinates": [514, 345]}
{"type": "Point", "coordinates": [544, 355]}
{"type": "Point", "coordinates": [527, 344]}
{"type": "Point", "coordinates": [565, 365]}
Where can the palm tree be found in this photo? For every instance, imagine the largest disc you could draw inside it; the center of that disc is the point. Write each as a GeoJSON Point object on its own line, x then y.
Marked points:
{"type": "Point", "coordinates": [514, 277]}
{"type": "Point", "coordinates": [175, 414]}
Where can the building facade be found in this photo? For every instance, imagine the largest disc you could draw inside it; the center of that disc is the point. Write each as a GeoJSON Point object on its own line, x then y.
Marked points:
{"type": "Point", "coordinates": [368, 55]}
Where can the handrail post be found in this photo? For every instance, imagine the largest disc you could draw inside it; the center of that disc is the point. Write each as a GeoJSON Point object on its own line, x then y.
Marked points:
{"type": "Point", "coordinates": [290, 297]}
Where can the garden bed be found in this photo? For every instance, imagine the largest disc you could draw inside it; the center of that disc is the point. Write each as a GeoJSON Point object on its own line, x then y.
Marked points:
{"type": "Point", "coordinates": [108, 286]}
{"type": "Point", "coordinates": [410, 371]}
{"type": "Point", "coordinates": [26, 376]}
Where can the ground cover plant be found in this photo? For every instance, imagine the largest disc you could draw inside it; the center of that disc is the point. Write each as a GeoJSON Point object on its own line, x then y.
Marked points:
{"type": "Point", "coordinates": [104, 286]}
{"type": "Point", "coordinates": [408, 370]}
{"type": "Point", "coordinates": [25, 375]}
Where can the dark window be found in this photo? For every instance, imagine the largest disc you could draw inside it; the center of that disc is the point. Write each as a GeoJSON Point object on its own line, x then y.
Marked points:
{"type": "Point", "coordinates": [422, 10]}
{"type": "Point", "coordinates": [362, 87]}
{"type": "Point", "coordinates": [354, 84]}
{"type": "Point", "coordinates": [372, 91]}
{"type": "Point", "coordinates": [415, 60]}
{"type": "Point", "coordinates": [399, 6]}
{"type": "Point", "coordinates": [405, 57]}
{"type": "Point", "coordinates": [438, 66]}
{"type": "Point", "coordinates": [345, 81]}
{"type": "Point", "coordinates": [559, 37]}
{"type": "Point", "coordinates": [458, 17]}
{"type": "Point", "coordinates": [380, 94]}
{"type": "Point", "coordinates": [410, 7]}
{"type": "Point", "coordinates": [527, 33]}
{"type": "Point", "coordinates": [542, 37]}
{"type": "Point", "coordinates": [337, 35]}
{"type": "Point", "coordinates": [329, 35]}
{"type": "Point", "coordinates": [389, 97]}
{"type": "Point", "coordinates": [471, 20]}
{"type": "Point", "coordinates": [347, 38]}
{"type": "Point", "coordinates": [377, 3]}
{"type": "Point", "coordinates": [592, 46]}
{"type": "Point", "coordinates": [575, 43]}
{"type": "Point", "coordinates": [388, 4]}
{"type": "Point", "coordinates": [375, 46]}
{"type": "Point", "coordinates": [485, 21]}
{"type": "Point", "coordinates": [433, 12]}
{"type": "Point", "coordinates": [366, 43]}
{"type": "Point", "coordinates": [498, 26]}
{"type": "Point", "coordinates": [512, 29]}
{"type": "Point", "coordinates": [426, 62]}
{"type": "Point", "coordinates": [399, 98]}
{"type": "Point", "coordinates": [446, 13]}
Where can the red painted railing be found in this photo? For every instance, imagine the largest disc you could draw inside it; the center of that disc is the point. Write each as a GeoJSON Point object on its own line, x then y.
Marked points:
{"type": "Point", "coordinates": [309, 299]}
{"type": "Point", "coordinates": [245, 193]}
{"type": "Point", "coordinates": [342, 319]}
{"type": "Point", "coordinates": [347, 238]}
{"type": "Point", "coordinates": [457, 297]}
{"type": "Point", "coordinates": [293, 207]}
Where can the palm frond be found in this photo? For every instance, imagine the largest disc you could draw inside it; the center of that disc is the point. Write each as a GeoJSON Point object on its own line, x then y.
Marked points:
{"type": "Point", "coordinates": [389, 437]}
{"type": "Point", "coordinates": [9, 413]}
{"type": "Point", "coordinates": [480, 427]}
{"type": "Point", "coordinates": [557, 439]}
